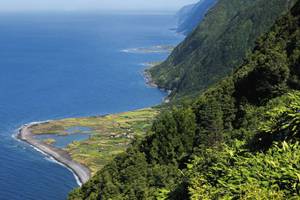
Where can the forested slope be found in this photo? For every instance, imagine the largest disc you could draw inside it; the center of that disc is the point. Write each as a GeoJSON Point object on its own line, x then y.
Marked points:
{"type": "Point", "coordinates": [218, 44]}
{"type": "Point", "coordinates": [238, 140]}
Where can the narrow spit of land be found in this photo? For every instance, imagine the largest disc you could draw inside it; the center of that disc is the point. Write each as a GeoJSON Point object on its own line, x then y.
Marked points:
{"type": "Point", "coordinates": [61, 156]}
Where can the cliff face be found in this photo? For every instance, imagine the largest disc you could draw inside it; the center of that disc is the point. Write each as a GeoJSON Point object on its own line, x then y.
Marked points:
{"type": "Point", "coordinates": [191, 15]}
{"type": "Point", "coordinates": [217, 45]}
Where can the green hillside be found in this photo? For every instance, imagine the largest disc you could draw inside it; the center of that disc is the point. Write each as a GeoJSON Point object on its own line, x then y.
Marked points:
{"type": "Point", "coordinates": [238, 140]}
{"type": "Point", "coordinates": [218, 45]}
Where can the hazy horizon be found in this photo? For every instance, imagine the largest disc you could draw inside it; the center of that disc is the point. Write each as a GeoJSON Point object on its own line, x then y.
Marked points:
{"type": "Point", "coordinates": [85, 5]}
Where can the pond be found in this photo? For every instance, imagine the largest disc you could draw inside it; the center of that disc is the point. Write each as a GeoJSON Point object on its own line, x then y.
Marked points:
{"type": "Point", "coordinates": [63, 140]}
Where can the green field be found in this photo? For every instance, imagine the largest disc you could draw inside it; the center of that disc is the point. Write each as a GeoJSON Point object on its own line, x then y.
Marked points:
{"type": "Point", "coordinates": [109, 135]}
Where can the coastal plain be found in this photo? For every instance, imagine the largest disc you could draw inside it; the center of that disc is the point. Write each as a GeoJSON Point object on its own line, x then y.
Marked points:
{"type": "Point", "coordinates": [109, 135]}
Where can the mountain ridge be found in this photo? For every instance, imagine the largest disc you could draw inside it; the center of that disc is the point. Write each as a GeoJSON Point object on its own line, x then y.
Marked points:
{"type": "Point", "coordinates": [219, 43]}
{"type": "Point", "coordinates": [191, 15]}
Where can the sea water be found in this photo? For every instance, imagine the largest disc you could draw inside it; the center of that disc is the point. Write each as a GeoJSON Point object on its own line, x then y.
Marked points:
{"type": "Point", "coordinates": [59, 65]}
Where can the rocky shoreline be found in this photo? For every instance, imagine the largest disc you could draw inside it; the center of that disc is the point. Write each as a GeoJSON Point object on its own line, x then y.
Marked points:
{"type": "Point", "coordinates": [149, 81]}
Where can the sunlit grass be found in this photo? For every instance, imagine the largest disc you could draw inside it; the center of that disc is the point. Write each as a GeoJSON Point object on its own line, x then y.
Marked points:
{"type": "Point", "coordinates": [109, 135]}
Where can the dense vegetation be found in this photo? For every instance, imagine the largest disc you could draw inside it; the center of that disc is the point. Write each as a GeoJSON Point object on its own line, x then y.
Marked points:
{"type": "Point", "coordinates": [191, 15]}
{"type": "Point", "coordinates": [239, 140]}
{"type": "Point", "coordinates": [244, 170]}
{"type": "Point", "coordinates": [218, 44]}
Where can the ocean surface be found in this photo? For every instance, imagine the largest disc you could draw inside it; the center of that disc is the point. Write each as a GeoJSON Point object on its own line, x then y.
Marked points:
{"type": "Point", "coordinates": [67, 65]}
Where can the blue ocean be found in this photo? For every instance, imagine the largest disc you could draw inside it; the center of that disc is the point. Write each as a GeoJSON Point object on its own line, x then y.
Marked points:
{"type": "Point", "coordinates": [58, 65]}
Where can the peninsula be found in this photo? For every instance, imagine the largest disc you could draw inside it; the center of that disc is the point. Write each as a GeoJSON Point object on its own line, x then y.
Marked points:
{"type": "Point", "coordinates": [109, 135]}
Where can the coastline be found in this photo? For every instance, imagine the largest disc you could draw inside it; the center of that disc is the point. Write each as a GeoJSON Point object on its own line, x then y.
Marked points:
{"type": "Point", "coordinates": [81, 172]}
{"type": "Point", "coordinates": [149, 81]}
